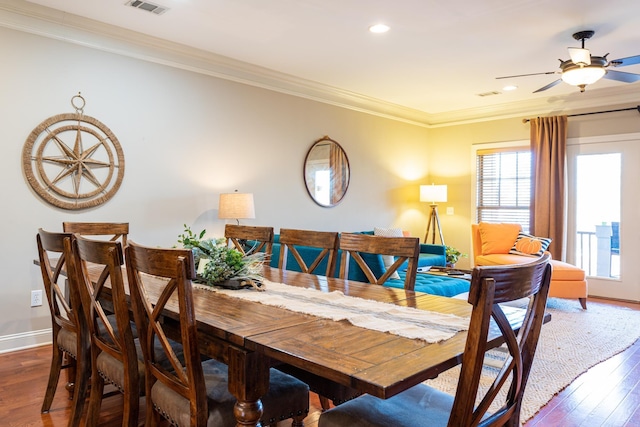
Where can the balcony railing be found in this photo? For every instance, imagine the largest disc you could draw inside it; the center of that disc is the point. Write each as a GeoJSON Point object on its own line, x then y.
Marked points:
{"type": "Point", "coordinates": [587, 256]}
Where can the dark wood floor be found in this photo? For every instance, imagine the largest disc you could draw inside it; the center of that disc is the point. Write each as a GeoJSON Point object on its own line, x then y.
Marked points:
{"type": "Point", "coordinates": [606, 395]}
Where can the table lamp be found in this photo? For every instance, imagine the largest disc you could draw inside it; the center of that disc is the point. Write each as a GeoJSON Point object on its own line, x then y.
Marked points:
{"type": "Point", "coordinates": [433, 193]}
{"type": "Point", "coordinates": [236, 206]}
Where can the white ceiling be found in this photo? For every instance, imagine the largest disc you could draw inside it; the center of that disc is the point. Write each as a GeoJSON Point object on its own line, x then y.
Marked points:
{"type": "Point", "coordinates": [437, 57]}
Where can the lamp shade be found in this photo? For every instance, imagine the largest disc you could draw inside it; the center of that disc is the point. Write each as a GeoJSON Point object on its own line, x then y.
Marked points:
{"type": "Point", "coordinates": [236, 206]}
{"type": "Point", "coordinates": [433, 193]}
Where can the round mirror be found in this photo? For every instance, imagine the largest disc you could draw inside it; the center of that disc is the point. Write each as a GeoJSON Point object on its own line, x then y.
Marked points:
{"type": "Point", "coordinates": [326, 172]}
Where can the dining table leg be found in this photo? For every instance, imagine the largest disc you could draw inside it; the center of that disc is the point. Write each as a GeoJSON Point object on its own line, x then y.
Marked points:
{"type": "Point", "coordinates": [248, 381]}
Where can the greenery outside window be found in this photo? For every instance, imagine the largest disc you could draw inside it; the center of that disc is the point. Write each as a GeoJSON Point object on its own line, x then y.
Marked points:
{"type": "Point", "coordinates": [503, 185]}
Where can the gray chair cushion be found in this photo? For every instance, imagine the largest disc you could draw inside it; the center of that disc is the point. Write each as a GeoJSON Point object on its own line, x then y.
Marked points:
{"type": "Point", "coordinates": [419, 406]}
{"type": "Point", "coordinates": [67, 341]}
{"type": "Point", "coordinates": [112, 370]}
{"type": "Point", "coordinates": [221, 402]}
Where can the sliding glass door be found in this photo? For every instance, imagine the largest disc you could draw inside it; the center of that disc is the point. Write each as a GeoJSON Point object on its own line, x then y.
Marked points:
{"type": "Point", "coordinates": [603, 233]}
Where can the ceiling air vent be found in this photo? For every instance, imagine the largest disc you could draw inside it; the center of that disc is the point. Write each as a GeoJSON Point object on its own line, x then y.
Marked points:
{"type": "Point", "coordinates": [489, 93]}
{"type": "Point", "coordinates": [148, 6]}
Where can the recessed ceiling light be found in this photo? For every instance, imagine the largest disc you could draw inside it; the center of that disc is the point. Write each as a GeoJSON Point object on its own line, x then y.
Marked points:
{"type": "Point", "coordinates": [510, 87]}
{"type": "Point", "coordinates": [379, 28]}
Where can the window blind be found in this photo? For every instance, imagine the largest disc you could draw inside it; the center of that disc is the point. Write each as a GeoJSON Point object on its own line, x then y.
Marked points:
{"type": "Point", "coordinates": [504, 186]}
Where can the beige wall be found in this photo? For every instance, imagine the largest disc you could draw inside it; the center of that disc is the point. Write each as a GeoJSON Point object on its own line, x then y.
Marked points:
{"type": "Point", "coordinates": [186, 138]}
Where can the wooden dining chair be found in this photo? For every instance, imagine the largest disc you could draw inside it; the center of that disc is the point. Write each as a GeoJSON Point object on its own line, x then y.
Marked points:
{"type": "Point", "coordinates": [114, 231]}
{"type": "Point", "coordinates": [68, 325]}
{"type": "Point", "coordinates": [261, 238]}
{"type": "Point", "coordinates": [357, 247]}
{"type": "Point", "coordinates": [426, 406]}
{"type": "Point", "coordinates": [193, 393]}
{"type": "Point", "coordinates": [326, 240]}
{"type": "Point", "coordinates": [114, 359]}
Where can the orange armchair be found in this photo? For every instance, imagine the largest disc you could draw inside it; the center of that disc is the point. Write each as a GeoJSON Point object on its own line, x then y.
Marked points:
{"type": "Point", "coordinates": [491, 246]}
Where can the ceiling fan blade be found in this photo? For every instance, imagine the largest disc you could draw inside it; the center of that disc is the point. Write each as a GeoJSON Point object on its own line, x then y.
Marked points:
{"type": "Point", "coordinates": [631, 60]}
{"type": "Point", "coordinates": [549, 86]}
{"type": "Point", "coordinates": [580, 56]}
{"type": "Point", "coordinates": [622, 77]}
{"type": "Point", "coordinates": [526, 75]}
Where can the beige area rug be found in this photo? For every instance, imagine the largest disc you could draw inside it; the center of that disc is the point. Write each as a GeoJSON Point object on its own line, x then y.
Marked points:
{"type": "Point", "coordinates": [574, 341]}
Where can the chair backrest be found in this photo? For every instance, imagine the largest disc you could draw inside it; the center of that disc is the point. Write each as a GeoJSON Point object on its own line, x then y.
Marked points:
{"type": "Point", "coordinates": [65, 306]}
{"type": "Point", "coordinates": [326, 240]}
{"type": "Point", "coordinates": [158, 278]}
{"type": "Point", "coordinates": [107, 259]}
{"type": "Point", "coordinates": [238, 235]}
{"type": "Point", "coordinates": [490, 287]}
{"type": "Point", "coordinates": [404, 249]}
{"type": "Point", "coordinates": [115, 230]}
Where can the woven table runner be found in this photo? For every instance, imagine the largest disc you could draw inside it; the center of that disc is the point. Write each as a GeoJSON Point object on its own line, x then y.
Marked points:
{"type": "Point", "coordinates": [403, 321]}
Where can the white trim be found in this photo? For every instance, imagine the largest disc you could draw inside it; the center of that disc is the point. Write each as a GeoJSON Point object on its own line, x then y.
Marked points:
{"type": "Point", "coordinates": [25, 340]}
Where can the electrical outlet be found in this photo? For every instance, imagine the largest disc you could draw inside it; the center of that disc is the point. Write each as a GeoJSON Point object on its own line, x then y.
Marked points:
{"type": "Point", "coordinates": [36, 298]}
{"type": "Point", "coordinates": [450, 210]}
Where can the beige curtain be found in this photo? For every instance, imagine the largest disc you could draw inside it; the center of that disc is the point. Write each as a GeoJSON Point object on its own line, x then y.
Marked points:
{"type": "Point", "coordinates": [548, 148]}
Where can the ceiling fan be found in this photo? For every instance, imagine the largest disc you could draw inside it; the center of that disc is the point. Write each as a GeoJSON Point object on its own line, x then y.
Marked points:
{"type": "Point", "coordinates": [584, 69]}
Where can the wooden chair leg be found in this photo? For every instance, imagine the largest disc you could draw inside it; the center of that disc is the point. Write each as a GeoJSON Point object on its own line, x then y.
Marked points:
{"type": "Point", "coordinates": [54, 376]}
{"type": "Point", "coordinates": [131, 406]}
{"type": "Point", "coordinates": [81, 388]}
{"type": "Point", "coordinates": [298, 421]}
{"type": "Point", "coordinates": [95, 398]}
{"type": "Point", "coordinates": [583, 302]}
{"type": "Point", "coordinates": [325, 403]}
{"type": "Point", "coordinates": [70, 364]}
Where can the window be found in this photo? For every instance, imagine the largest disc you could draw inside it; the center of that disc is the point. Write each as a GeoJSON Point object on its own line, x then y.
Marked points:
{"type": "Point", "coordinates": [503, 185]}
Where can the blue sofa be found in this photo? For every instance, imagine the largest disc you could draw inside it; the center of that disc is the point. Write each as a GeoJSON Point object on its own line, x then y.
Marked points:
{"type": "Point", "coordinates": [430, 255]}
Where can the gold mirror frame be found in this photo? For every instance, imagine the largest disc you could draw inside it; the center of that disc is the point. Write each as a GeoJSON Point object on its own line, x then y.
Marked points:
{"type": "Point", "coordinates": [326, 172]}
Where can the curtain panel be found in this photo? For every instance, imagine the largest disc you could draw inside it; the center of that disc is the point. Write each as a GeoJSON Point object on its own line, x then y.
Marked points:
{"type": "Point", "coordinates": [548, 149]}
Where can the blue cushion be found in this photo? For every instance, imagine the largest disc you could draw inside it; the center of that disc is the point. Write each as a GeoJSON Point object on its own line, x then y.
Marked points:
{"type": "Point", "coordinates": [432, 284]}
{"type": "Point", "coordinates": [428, 260]}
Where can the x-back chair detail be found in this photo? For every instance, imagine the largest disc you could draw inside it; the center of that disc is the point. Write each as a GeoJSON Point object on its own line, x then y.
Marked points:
{"type": "Point", "coordinates": [70, 331]}
{"type": "Point", "coordinates": [193, 393]}
{"type": "Point", "coordinates": [114, 358]}
{"type": "Point", "coordinates": [422, 405]}
{"type": "Point", "coordinates": [238, 235]}
{"type": "Point", "coordinates": [326, 240]}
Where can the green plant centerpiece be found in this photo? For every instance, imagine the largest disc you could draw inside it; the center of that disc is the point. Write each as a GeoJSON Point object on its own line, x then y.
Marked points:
{"type": "Point", "coordinates": [453, 255]}
{"type": "Point", "coordinates": [220, 265]}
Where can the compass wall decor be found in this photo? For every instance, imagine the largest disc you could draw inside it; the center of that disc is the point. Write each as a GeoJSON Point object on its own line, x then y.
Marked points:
{"type": "Point", "coordinates": [73, 161]}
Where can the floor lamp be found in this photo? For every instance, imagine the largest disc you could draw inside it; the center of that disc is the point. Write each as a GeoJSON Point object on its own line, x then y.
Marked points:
{"type": "Point", "coordinates": [433, 193]}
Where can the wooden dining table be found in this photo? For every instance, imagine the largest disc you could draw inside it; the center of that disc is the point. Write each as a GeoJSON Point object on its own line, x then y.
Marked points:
{"type": "Point", "coordinates": [252, 337]}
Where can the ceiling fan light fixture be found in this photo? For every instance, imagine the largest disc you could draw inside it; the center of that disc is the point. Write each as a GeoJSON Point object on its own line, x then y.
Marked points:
{"type": "Point", "coordinates": [580, 76]}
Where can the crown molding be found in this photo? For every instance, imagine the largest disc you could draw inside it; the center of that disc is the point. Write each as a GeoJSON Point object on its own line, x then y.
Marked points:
{"type": "Point", "coordinates": [562, 104]}
{"type": "Point", "coordinates": [43, 21]}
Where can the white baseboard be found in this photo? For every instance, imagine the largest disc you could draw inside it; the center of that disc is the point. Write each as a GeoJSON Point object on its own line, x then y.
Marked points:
{"type": "Point", "coordinates": [25, 340]}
